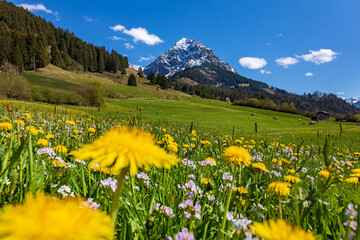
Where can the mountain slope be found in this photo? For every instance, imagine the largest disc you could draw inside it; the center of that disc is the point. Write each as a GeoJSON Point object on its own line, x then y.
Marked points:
{"type": "Point", "coordinates": [185, 54]}
{"type": "Point", "coordinates": [29, 42]}
{"type": "Point", "coordinates": [354, 101]}
{"type": "Point", "coordinates": [189, 59]}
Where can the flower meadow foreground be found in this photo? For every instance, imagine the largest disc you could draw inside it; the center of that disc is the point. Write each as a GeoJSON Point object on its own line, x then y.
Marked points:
{"type": "Point", "coordinates": [67, 174]}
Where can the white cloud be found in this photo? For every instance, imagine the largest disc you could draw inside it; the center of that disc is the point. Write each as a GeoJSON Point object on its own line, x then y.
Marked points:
{"type": "Point", "coordinates": [118, 28]}
{"type": "Point", "coordinates": [309, 74]}
{"type": "Point", "coordinates": [142, 35]}
{"type": "Point", "coordinates": [116, 38]}
{"type": "Point", "coordinates": [319, 57]}
{"type": "Point", "coordinates": [279, 34]}
{"type": "Point", "coordinates": [340, 93]}
{"type": "Point", "coordinates": [146, 58]}
{"type": "Point", "coordinates": [128, 46]}
{"type": "Point", "coordinates": [35, 7]}
{"type": "Point", "coordinates": [39, 7]}
{"type": "Point", "coordinates": [252, 62]}
{"type": "Point", "coordinates": [264, 71]}
{"type": "Point", "coordinates": [89, 19]}
{"type": "Point", "coordinates": [286, 61]}
{"type": "Point", "coordinates": [139, 35]}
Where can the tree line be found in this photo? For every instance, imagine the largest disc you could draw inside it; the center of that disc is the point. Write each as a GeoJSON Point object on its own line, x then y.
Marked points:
{"type": "Point", "coordinates": [29, 42]}
{"type": "Point", "coordinates": [306, 104]}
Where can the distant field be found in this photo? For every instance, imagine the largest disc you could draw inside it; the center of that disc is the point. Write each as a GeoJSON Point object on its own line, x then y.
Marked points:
{"type": "Point", "coordinates": [222, 116]}
{"type": "Point", "coordinates": [174, 107]}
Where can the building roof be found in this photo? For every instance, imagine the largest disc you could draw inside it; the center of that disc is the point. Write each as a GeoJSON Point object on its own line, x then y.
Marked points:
{"type": "Point", "coordinates": [322, 112]}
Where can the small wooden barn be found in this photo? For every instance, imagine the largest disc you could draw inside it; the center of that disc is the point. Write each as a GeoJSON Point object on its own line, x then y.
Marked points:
{"type": "Point", "coordinates": [322, 115]}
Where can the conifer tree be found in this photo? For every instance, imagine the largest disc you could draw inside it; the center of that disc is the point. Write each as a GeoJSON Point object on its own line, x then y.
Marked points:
{"type": "Point", "coordinates": [152, 78]}
{"type": "Point", "coordinates": [132, 80]}
{"type": "Point", "coordinates": [140, 72]}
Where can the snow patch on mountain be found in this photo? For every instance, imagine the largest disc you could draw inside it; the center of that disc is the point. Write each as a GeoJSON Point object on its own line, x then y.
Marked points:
{"type": "Point", "coordinates": [354, 101]}
{"type": "Point", "coordinates": [136, 67]}
{"type": "Point", "coordinates": [186, 53]}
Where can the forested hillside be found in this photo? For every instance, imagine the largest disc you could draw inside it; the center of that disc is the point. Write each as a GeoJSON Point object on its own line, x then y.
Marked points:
{"type": "Point", "coordinates": [30, 42]}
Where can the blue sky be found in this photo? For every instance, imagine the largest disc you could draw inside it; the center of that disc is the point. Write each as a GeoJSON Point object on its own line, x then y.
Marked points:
{"type": "Point", "coordinates": [298, 45]}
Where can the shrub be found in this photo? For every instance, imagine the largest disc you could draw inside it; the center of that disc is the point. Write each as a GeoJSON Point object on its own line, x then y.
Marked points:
{"type": "Point", "coordinates": [93, 93]}
{"type": "Point", "coordinates": [132, 80]}
{"type": "Point", "coordinates": [12, 85]}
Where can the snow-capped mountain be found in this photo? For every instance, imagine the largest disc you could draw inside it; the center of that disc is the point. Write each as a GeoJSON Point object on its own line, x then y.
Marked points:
{"type": "Point", "coordinates": [136, 67]}
{"type": "Point", "coordinates": [185, 54]}
{"type": "Point", "coordinates": [354, 101]}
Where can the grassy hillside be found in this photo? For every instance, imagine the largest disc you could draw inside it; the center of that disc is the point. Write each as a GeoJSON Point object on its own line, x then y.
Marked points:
{"type": "Point", "coordinates": [170, 106]}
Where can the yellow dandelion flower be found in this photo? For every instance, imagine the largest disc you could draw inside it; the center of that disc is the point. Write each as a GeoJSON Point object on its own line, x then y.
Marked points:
{"type": "Point", "coordinates": [206, 181]}
{"type": "Point", "coordinates": [172, 147]}
{"type": "Point", "coordinates": [6, 118]}
{"type": "Point", "coordinates": [123, 147]}
{"type": "Point", "coordinates": [285, 161]}
{"type": "Point", "coordinates": [54, 219]}
{"type": "Point", "coordinates": [192, 145]}
{"type": "Point", "coordinates": [260, 166]}
{"type": "Point", "coordinates": [325, 174]}
{"type": "Point", "coordinates": [167, 138]}
{"type": "Point", "coordinates": [27, 116]}
{"type": "Point", "coordinates": [193, 133]}
{"type": "Point", "coordinates": [20, 122]}
{"type": "Point", "coordinates": [279, 188]}
{"type": "Point", "coordinates": [355, 175]}
{"type": "Point", "coordinates": [292, 171]}
{"type": "Point", "coordinates": [357, 153]}
{"type": "Point", "coordinates": [277, 162]}
{"type": "Point", "coordinates": [42, 142]}
{"type": "Point", "coordinates": [280, 230]}
{"type": "Point", "coordinates": [186, 145]}
{"type": "Point", "coordinates": [237, 155]}
{"type": "Point", "coordinates": [210, 159]}
{"type": "Point", "coordinates": [353, 180]}
{"type": "Point", "coordinates": [292, 178]}
{"type": "Point", "coordinates": [91, 130]}
{"type": "Point", "coordinates": [33, 131]}
{"type": "Point", "coordinates": [72, 153]}
{"type": "Point", "coordinates": [241, 190]}
{"type": "Point", "coordinates": [6, 126]}
{"type": "Point", "coordinates": [58, 163]}
{"type": "Point", "coordinates": [356, 170]}
{"type": "Point", "coordinates": [70, 123]}
{"type": "Point", "coordinates": [193, 139]}
{"type": "Point", "coordinates": [60, 149]}
{"type": "Point", "coordinates": [76, 132]}
{"type": "Point", "coordinates": [206, 143]}
{"type": "Point", "coordinates": [49, 136]}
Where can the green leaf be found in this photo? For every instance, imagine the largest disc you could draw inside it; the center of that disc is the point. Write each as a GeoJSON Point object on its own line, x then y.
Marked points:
{"type": "Point", "coordinates": [37, 181]}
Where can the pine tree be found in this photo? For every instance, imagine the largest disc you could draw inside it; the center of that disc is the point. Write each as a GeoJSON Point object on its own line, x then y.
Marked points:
{"type": "Point", "coordinates": [158, 78]}
{"type": "Point", "coordinates": [165, 82]}
{"type": "Point", "coordinates": [152, 78]}
{"type": "Point", "coordinates": [140, 72]}
{"type": "Point", "coordinates": [132, 80]}
{"type": "Point", "coordinates": [42, 51]}
{"type": "Point", "coordinates": [101, 59]}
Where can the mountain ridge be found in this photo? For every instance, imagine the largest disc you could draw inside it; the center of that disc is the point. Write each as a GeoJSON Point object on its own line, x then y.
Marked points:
{"type": "Point", "coordinates": [186, 53]}
{"type": "Point", "coordinates": [355, 101]}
